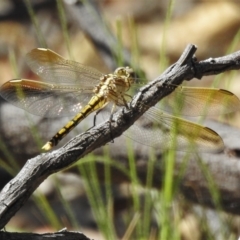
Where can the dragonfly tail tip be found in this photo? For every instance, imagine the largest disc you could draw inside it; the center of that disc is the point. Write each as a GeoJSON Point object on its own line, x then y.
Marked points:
{"type": "Point", "coordinates": [47, 146]}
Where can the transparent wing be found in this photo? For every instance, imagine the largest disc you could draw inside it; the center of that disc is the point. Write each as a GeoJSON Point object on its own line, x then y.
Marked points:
{"type": "Point", "coordinates": [44, 99]}
{"type": "Point", "coordinates": [53, 68]}
{"type": "Point", "coordinates": [160, 131]}
{"type": "Point", "coordinates": [67, 85]}
{"type": "Point", "coordinates": [194, 101]}
{"type": "Point", "coordinates": [191, 101]}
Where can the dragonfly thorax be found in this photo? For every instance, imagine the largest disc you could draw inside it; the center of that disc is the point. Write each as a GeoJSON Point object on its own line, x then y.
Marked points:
{"type": "Point", "coordinates": [114, 86]}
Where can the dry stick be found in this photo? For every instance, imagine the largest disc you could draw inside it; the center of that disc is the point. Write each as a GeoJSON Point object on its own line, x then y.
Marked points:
{"type": "Point", "coordinates": [15, 193]}
{"type": "Point", "coordinates": [61, 235]}
{"type": "Point", "coordinates": [37, 169]}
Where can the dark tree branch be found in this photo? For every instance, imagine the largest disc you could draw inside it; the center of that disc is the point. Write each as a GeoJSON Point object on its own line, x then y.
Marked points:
{"type": "Point", "coordinates": [19, 189]}
{"type": "Point", "coordinates": [213, 66]}
{"type": "Point", "coordinates": [61, 235]}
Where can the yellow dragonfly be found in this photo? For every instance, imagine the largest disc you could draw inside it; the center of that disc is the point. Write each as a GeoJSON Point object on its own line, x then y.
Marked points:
{"type": "Point", "coordinates": [70, 88]}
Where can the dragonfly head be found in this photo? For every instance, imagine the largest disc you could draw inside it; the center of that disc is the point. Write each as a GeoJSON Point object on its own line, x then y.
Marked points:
{"type": "Point", "coordinates": [125, 72]}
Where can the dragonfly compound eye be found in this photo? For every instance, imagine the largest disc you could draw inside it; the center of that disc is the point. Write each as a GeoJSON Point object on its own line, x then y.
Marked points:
{"type": "Point", "coordinates": [124, 71]}
{"type": "Point", "coordinates": [130, 72]}
{"type": "Point", "coordinates": [120, 71]}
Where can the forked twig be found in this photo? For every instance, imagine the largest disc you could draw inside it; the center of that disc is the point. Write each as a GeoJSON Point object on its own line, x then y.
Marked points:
{"type": "Point", "coordinates": [19, 189]}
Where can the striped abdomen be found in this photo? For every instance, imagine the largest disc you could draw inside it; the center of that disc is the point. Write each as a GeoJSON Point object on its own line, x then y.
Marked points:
{"type": "Point", "coordinates": [96, 102]}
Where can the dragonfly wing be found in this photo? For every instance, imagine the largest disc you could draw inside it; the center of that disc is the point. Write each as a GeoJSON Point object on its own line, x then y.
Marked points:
{"type": "Point", "coordinates": [191, 101]}
{"type": "Point", "coordinates": [161, 131]}
{"type": "Point", "coordinates": [44, 99]}
{"type": "Point", "coordinates": [53, 68]}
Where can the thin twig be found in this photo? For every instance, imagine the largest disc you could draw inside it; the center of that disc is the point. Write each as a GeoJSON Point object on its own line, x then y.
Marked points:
{"type": "Point", "coordinates": [19, 189]}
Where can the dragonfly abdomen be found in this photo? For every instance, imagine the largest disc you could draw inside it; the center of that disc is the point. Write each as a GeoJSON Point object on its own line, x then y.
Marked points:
{"type": "Point", "coordinates": [96, 102]}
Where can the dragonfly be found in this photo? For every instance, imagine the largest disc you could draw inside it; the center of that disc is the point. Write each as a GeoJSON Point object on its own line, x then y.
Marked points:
{"type": "Point", "coordinates": [70, 88]}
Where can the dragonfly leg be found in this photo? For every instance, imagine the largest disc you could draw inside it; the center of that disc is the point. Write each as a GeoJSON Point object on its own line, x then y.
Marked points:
{"type": "Point", "coordinates": [125, 101]}
{"type": "Point", "coordinates": [95, 116]}
{"type": "Point", "coordinates": [110, 119]}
